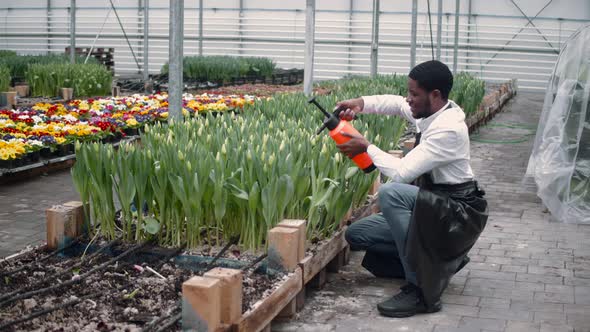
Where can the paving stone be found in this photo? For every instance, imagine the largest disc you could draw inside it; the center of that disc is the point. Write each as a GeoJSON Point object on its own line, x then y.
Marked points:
{"type": "Point", "coordinates": [514, 268]}
{"type": "Point", "coordinates": [483, 323]}
{"type": "Point", "coordinates": [551, 318]}
{"type": "Point", "coordinates": [582, 295]}
{"type": "Point", "coordinates": [493, 302]}
{"type": "Point", "coordinates": [536, 306]}
{"type": "Point", "coordinates": [522, 327]}
{"type": "Point", "coordinates": [460, 299]}
{"type": "Point", "coordinates": [507, 314]}
{"type": "Point", "coordinates": [545, 297]}
{"type": "Point", "coordinates": [492, 275]}
{"type": "Point", "coordinates": [539, 278]}
{"type": "Point", "coordinates": [556, 327]}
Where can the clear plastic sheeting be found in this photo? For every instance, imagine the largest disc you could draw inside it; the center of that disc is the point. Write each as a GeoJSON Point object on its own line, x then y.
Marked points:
{"type": "Point", "coordinates": [560, 160]}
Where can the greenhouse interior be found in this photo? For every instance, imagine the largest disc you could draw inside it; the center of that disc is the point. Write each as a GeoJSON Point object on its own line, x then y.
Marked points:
{"type": "Point", "coordinates": [307, 165]}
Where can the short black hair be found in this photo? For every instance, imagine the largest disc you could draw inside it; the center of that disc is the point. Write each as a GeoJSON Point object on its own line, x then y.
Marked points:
{"type": "Point", "coordinates": [433, 75]}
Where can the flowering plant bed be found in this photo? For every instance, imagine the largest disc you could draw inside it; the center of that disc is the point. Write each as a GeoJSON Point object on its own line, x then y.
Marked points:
{"type": "Point", "coordinates": [50, 129]}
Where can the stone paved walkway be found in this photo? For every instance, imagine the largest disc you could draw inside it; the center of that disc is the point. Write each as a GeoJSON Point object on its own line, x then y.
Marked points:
{"type": "Point", "coordinates": [23, 205]}
{"type": "Point", "coordinates": [527, 272]}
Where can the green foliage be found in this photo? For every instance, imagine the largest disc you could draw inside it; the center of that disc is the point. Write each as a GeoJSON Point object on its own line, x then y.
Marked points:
{"type": "Point", "coordinates": [19, 64]}
{"type": "Point", "coordinates": [86, 79]}
{"type": "Point", "coordinates": [6, 53]}
{"type": "Point", "coordinates": [223, 68]}
{"type": "Point", "coordinates": [4, 78]}
{"type": "Point", "coordinates": [467, 92]}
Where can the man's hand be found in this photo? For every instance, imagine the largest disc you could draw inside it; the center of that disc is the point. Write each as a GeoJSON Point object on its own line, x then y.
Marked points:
{"type": "Point", "coordinates": [350, 108]}
{"type": "Point", "coordinates": [357, 145]}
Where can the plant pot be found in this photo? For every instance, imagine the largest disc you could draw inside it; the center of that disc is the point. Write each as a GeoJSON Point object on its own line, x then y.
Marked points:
{"type": "Point", "coordinates": [6, 164]}
{"type": "Point", "coordinates": [22, 90]}
{"type": "Point", "coordinates": [8, 98]}
{"type": "Point", "coordinates": [65, 150]}
{"type": "Point", "coordinates": [115, 91]}
{"type": "Point", "coordinates": [67, 93]}
{"type": "Point", "coordinates": [45, 152]}
{"type": "Point", "coordinates": [131, 131]}
{"type": "Point", "coordinates": [34, 156]}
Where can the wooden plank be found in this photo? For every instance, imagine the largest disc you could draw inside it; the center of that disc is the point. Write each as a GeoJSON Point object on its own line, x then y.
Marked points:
{"type": "Point", "coordinates": [268, 308]}
{"type": "Point", "coordinates": [311, 265]}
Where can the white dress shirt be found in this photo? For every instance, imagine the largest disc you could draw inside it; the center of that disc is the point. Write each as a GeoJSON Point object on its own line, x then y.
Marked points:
{"type": "Point", "coordinates": [444, 145]}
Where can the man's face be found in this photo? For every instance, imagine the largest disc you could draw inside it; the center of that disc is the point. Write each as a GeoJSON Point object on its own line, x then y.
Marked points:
{"type": "Point", "coordinates": [418, 99]}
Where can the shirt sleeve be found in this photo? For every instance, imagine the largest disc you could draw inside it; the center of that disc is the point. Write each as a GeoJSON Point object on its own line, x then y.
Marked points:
{"type": "Point", "coordinates": [388, 105]}
{"type": "Point", "coordinates": [438, 149]}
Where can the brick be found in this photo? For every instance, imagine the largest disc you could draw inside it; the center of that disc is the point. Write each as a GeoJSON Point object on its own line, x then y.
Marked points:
{"type": "Point", "coordinates": [550, 271]}
{"type": "Point", "coordinates": [484, 266]}
{"type": "Point", "coordinates": [582, 294]}
{"type": "Point", "coordinates": [579, 321]}
{"type": "Point", "coordinates": [462, 310]}
{"type": "Point", "coordinates": [201, 304]}
{"type": "Point", "coordinates": [493, 302]}
{"type": "Point", "coordinates": [514, 268]}
{"type": "Point", "coordinates": [507, 314]}
{"type": "Point", "coordinates": [545, 297]}
{"type": "Point", "coordinates": [522, 327]}
{"type": "Point", "coordinates": [576, 308]}
{"type": "Point", "coordinates": [539, 278]}
{"type": "Point", "coordinates": [574, 281]}
{"type": "Point", "coordinates": [460, 299]}
{"type": "Point", "coordinates": [231, 293]}
{"type": "Point", "coordinates": [556, 318]}
{"type": "Point", "coordinates": [556, 327]}
{"type": "Point", "coordinates": [301, 226]}
{"type": "Point", "coordinates": [536, 306]}
{"type": "Point", "coordinates": [559, 264]}
{"type": "Point", "coordinates": [63, 225]}
{"type": "Point", "coordinates": [514, 294]}
{"type": "Point", "coordinates": [490, 252]}
{"type": "Point", "coordinates": [551, 288]}
{"type": "Point", "coordinates": [492, 275]}
{"type": "Point", "coordinates": [283, 244]}
{"type": "Point", "coordinates": [483, 323]}
{"type": "Point", "coordinates": [498, 260]}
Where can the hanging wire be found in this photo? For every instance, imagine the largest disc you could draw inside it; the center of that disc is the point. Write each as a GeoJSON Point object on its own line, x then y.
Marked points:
{"type": "Point", "coordinates": [430, 24]}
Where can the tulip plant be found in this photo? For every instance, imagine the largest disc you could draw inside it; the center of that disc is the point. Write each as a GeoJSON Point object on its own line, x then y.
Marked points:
{"type": "Point", "coordinates": [207, 179]}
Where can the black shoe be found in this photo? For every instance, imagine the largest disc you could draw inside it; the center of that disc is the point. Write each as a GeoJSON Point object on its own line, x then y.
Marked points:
{"type": "Point", "coordinates": [406, 303]}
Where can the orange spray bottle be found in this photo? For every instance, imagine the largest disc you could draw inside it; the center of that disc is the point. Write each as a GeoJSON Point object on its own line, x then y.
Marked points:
{"type": "Point", "coordinates": [336, 126]}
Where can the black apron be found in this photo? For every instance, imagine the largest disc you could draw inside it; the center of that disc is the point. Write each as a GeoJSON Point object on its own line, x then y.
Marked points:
{"type": "Point", "coordinates": [446, 222]}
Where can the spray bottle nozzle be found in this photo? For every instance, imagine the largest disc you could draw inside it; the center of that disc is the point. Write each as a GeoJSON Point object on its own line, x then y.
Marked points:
{"type": "Point", "coordinates": [331, 120]}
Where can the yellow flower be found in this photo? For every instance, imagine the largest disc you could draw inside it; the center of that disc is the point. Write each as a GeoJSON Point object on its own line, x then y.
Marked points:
{"type": "Point", "coordinates": [164, 115]}
{"type": "Point", "coordinates": [131, 122]}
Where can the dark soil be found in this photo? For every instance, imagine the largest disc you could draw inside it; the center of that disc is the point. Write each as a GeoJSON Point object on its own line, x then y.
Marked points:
{"type": "Point", "coordinates": [127, 299]}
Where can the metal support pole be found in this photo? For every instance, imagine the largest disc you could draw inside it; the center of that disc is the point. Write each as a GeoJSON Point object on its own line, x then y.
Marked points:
{"type": "Point", "coordinates": [72, 31]}
{"type": "Point", "coordinates": [456, 47]}
{"type": "Point", "coordinates": [175, 59]}
{"type": "Point", "coordinates": [439, 30]}
{"type": "Point", "coordinates": [309, 46]}
{"type": "Point", "coordinates": [200, 27]}
{"type": "Point", "coordinates": [414, 33]}
{"type": "Point", "coordinates": [240, 32]}
{"type": "Point", "coordinates": [48, 26]}
{"type": "Point", "coordinates": [146, 40]}
{"type": "Point", "coordinates": [375, 39]}
{"type": "Point", "coordinates": [350, 11]}
{"type": "Point", "coordinates": [467, 55]}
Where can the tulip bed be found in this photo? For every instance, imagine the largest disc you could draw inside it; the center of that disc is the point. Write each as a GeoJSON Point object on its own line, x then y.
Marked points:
{"type": "Point", "coordinates": [50, 129]}
{"type": "Point", "coordinates": [207, 180]}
